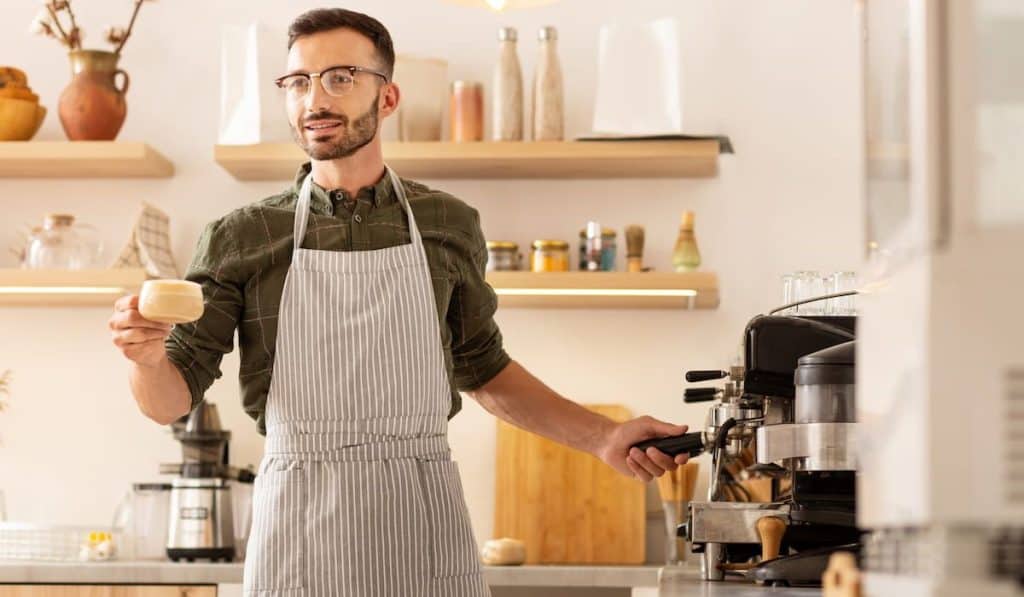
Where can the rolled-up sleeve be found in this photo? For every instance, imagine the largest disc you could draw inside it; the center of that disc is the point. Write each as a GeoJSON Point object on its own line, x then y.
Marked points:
{"type": "Point", "coordinates": [478, 353]}
{"type": "Point", "coordinates": [197, 348]}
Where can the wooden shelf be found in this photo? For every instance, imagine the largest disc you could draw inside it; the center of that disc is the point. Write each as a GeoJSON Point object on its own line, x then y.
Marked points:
{"type": "Point", "coordinates": [442, 160]}
{"type": "Point", "coordinates": [605, 290]}
{"type": "Point", "coordinates": [60, 288]}
{"type": "Point", "coordinates": [82, 159]}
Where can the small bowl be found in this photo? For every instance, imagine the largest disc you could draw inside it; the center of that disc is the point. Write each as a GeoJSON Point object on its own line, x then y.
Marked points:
{"type": "Point", "coordinates": [171, 301]}
{"type": "Point", "coordinates": [20, 119]}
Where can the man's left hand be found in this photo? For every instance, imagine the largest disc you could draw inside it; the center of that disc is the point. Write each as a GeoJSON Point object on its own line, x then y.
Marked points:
{"type": "Point", "coordinates": [619, 453]}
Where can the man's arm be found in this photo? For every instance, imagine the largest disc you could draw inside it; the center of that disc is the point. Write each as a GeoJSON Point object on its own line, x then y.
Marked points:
{"type": "Point", "coordinates": [517, 397]}
{"type": "Point", "coordinates": [171, 368]}
{"type": "Point", "coordinates": [159, 389]}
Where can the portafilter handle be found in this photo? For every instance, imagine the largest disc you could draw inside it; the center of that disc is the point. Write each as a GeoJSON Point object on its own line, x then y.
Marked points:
{"type": "Point", "coordinates": [691, 444]}
{"type": "Point", "coordinates": [705, 375]}
{"type": "Point", "coordinates": [692, 395]}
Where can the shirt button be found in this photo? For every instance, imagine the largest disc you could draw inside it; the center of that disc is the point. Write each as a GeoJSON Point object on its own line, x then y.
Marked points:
{"type": "Point", "coordinates": [358, 218]}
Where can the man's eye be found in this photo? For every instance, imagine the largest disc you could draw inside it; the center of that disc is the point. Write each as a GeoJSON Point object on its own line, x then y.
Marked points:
{"type": "Point", "coordinates": [341, 78]}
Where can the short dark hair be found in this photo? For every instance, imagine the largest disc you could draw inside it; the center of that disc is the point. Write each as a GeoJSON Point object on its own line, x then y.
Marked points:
{"type": "Point", "coordinates": [326, 19]}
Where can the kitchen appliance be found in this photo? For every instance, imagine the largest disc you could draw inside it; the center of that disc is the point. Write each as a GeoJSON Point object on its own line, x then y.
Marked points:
{"type": "Point", "coordinates": [940, 361]}
{"type": "Point", "coordinates": [142, 517]}
{"type": "Point", "coordinates": [781, 433]}
{"type": "Point", "coordinates": [201, 521]}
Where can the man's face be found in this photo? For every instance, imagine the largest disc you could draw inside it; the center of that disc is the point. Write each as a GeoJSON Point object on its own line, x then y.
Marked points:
{"type": "Point", "coordinates": [328, 127]}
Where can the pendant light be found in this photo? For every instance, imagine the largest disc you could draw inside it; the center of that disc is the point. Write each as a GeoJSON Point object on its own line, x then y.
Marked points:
{"type": "Point", "coordinates": [501, 5]}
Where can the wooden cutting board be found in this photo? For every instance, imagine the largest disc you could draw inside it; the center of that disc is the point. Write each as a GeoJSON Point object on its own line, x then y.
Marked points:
{"type": "Point", "coordinates": [567, 507]}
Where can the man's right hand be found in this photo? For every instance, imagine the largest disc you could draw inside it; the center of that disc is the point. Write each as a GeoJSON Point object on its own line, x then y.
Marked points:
{"type": "Point", "coordinates": [139, 339]}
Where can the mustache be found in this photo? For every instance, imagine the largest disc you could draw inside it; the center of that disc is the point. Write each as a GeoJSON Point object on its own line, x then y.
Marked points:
{"type": "Point", "coordinates": [325, 116]}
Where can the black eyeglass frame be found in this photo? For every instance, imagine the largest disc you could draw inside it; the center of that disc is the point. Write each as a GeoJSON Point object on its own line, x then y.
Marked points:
{"type": "Point", "coordinates": [352, 70]}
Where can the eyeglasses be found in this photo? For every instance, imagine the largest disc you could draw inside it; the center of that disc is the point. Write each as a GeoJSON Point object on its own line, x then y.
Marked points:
{"type": "Point", "coordinates": [336, 81]}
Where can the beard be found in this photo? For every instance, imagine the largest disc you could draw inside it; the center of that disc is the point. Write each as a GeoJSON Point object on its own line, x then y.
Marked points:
{"type": "Point", "coordinates": [350, 140]}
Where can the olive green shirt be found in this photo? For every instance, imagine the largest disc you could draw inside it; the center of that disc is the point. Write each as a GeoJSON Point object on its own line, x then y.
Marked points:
{"type": "Point", "coordinates": [241, 261]}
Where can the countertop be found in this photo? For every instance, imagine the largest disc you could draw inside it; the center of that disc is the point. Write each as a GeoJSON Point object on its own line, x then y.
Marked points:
{"type": "Point", "coordinates": [116, 572]}
{"type": "Point", "coordinates": [684, 583]}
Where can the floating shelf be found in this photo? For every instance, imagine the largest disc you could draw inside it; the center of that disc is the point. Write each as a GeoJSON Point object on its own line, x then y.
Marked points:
{"type": "Point", "coordinates": [59, 288]}
{"type": "Point", "coordinates": [82, 159]}
{"type": "Point", "coordinates": [443, 160]}
{"type": "Point", "coordinates": [605, 290]}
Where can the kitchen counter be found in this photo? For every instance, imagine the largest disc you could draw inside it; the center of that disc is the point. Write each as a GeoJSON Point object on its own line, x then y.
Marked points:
{"type": "Point", "coordinates": [207, 573]}
{"type": "Point", "coordinates": [511, 580]}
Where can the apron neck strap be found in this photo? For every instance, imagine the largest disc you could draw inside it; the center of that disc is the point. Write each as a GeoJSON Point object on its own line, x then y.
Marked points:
{"type": "Point", "coordinates": [306, 191]}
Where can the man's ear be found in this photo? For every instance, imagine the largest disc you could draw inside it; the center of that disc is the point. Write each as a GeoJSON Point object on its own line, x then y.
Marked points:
{"type": "Point", "coordinates": [389, 99]}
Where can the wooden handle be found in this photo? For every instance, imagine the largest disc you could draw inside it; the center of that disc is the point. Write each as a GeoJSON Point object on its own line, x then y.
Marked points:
{"type": "Point", "coordinates": [770, 529]}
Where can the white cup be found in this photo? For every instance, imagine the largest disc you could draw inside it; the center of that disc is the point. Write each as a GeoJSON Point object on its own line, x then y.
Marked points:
{"type": "Point", "coordinates": [171, 301]}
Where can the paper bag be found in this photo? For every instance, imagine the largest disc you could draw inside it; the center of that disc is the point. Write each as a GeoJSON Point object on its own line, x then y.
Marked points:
{"type": "Point", "coordinates": [252, 108]}
{"type": "Point", "coordinates": [647, 53]}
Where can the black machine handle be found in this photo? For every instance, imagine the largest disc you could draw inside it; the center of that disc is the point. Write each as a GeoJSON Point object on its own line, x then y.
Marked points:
{"type": "Point", "coordinates": [695, 376]}
{"type": "Point", "coordinates": [691, 444]}
{"type": "Point", "coordinates": [699, 395]}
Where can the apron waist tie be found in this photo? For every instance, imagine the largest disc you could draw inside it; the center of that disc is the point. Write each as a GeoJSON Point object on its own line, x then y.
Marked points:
{"type": "Point", "coordinates": [296, 440]}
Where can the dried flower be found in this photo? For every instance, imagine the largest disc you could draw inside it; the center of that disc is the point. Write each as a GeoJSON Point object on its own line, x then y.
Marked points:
{"type": "Point", "coordinates": [49, 23]}
{"type": "Point", "coordinates": [41, 24]}
{"type": "Point", "coordinates": [115, 35]}
{"type": "Point", "coordinates": [75, 37]}
{"type": "Point", "coordinates": [5, 382]}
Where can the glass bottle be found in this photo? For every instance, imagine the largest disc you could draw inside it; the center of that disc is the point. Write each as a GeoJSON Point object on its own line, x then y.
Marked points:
{"type": "Point", "coordinates": [507, 104]}
{"type": "Point", "coordinates": [685, 255]}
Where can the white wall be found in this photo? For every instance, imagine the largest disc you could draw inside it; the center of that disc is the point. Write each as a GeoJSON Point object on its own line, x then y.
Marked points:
{"type": "Point", "coordinates": [780, 78]}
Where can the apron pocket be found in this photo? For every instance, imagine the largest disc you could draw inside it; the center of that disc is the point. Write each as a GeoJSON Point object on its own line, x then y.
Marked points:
{"type": "Point", "coordinates": [276, 558]}
{"type": "Point", "coordinates": [452, 548]}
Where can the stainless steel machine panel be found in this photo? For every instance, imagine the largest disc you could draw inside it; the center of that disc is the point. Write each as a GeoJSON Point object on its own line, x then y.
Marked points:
{"type": "Point", "coordinates": [817, 446]}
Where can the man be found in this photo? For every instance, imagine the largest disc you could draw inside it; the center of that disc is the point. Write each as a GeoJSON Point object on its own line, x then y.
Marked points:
{"type": "Point", "coordinates": [362, 311]}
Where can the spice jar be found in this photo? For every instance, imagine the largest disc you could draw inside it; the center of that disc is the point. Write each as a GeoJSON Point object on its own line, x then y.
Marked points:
{"type": "Point", "coordinates": [609, 251]}
{"type": "Point", "coordinates": [466, 111]}
{"type": "Point", "coordinates": [502, 256]}
{"type": "Point", "coordinates": [550, 256]}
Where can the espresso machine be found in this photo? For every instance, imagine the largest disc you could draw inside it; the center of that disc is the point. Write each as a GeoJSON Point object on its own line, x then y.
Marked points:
{"type": "Point", "coordinates": [201, 524]}
{"type": "Point", "coordinates": [780, 432]}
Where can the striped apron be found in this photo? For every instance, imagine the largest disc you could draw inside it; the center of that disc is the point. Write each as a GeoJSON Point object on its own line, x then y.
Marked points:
{"type": "Point", "coordinates": [357, 494]}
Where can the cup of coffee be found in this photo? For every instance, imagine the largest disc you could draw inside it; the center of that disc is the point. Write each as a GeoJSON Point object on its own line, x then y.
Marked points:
{"type": "Point", "coordinates": [171, 301]}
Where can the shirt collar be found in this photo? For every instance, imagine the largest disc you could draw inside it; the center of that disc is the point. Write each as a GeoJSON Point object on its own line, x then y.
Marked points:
{"type": "Point", "coordinates": [322, 202]}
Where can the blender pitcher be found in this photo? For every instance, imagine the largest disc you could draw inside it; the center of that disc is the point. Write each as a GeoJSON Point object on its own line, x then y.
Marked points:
{"type": "Point", "coordinates": [143, 517]}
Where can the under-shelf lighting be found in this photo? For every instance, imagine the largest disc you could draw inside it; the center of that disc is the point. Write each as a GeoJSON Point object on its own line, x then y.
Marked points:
{"type": "Point", "coordinates": [62, 290]}
{"type": "Point", "coordinates": [670, 292]}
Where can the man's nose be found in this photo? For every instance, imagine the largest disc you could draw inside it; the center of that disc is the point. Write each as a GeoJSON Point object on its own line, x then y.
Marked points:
{"type": "Point", "coordinates": [317, 99]}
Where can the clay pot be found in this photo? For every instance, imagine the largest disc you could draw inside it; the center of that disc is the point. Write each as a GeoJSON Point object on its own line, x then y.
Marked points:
{"type": "Point", "coordinates": [92, 106]}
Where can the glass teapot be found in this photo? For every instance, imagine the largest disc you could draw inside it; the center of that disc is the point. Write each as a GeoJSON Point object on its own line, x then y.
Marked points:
{"type": "Point", "coordinates": [62, 244]}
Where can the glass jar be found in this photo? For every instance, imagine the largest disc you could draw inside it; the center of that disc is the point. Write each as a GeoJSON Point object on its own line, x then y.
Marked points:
{"type": "Point", "coordinates": [502, 256]}
{"type": "Point", "coordinates": [466, 111]}
{"type": "Point", "coordinates": [609, 251]}
{"type": "Point", "coordinates": [550, 256]}
{"type": "Point", "coordinates": [62, 244]}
